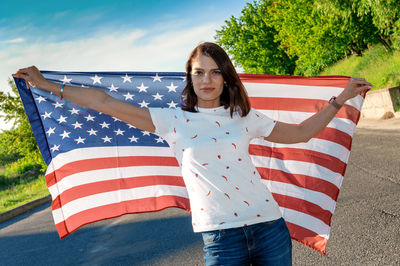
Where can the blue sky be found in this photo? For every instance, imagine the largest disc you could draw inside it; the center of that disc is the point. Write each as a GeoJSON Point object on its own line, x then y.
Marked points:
{"type": "Point", "coordinates": [106, 35]}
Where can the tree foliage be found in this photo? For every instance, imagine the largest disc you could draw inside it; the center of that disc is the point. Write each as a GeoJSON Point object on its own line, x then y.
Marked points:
{"type": "Point", "coordinates": [18, 148]}
{"type": "Point", "coordinates": [251, 43]}
{"type": "Point", "coordinates": [308, 34]}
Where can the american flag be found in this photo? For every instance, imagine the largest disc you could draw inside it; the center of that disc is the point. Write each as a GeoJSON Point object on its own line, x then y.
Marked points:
{"type": "Point", "coordinates": [100, 167]}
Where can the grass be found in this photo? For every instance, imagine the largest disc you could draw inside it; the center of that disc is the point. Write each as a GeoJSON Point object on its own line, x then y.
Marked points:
{"type": "Point", "coordinates": [377, 66]}
{"type": "Point", "coordinates": [22, 191]}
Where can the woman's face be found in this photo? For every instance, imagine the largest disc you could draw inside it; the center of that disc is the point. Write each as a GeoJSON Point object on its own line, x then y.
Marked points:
{"type": "Point", "coordinates": [208, 82]}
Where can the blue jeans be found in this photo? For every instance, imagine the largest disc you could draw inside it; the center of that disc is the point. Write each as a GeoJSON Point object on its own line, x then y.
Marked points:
{"type": "Point", "coordinates": [267, 243]}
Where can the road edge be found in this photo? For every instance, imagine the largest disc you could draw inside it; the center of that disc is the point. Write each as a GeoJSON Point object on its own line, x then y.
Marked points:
{"type": "Point", "coordinates": [7, 215]}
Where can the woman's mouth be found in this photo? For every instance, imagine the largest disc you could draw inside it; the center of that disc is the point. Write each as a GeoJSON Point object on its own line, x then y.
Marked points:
{"type": "Point", "coordinates": [209, 89]}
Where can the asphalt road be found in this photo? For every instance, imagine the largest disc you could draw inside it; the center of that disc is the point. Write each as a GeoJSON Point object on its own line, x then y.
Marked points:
{"type": "Point", "coordinates": [365, 227]}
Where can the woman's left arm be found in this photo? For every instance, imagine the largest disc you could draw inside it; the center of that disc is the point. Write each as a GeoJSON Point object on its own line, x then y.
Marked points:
{"type": "Point", "coordinates": [303, 132]}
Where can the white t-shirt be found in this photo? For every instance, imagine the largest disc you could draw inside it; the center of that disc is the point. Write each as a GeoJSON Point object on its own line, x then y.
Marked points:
{"type": "Point", "coordinates": [224, 187]}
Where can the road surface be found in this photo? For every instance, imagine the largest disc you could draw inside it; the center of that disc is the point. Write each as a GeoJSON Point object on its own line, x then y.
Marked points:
{"type": "Point", "coordinates": [365, 226]}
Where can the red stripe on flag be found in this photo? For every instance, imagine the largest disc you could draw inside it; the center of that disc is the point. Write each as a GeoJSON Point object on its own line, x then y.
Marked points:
{"type": "Point", "coordinates": [310, 156]}
{"type": "Point", "coordinates": [307, 237]}
{"type": "Point", "coordinates": [85, 190]}
{"type": "Point", "coordinates": [303, 206]}
{"type": "Point", "coordinates": [335, 135]}
{"type": "Point", "coordinates": [302, 105]}
{"type": "Point", "coordinates": [303, 181]}
{"type": "Point", "coordinates": [80, 219]}
{"type": "Point", "coordinates": [323, 81]}
{"type": "Point", "coordinates": [105, 163]}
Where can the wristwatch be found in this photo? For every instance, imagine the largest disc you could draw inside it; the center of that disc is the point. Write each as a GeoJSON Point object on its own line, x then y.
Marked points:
{"type": "Point", "coordinates": [335, 103]}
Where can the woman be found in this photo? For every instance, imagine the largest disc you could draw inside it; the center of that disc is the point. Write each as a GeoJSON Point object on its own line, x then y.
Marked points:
{"type": "Point", "coordinates": [240, 221]}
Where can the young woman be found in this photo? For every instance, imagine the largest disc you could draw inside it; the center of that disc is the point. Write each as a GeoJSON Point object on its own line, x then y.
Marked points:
{"type": "Point", "coordinates": [239, 219]}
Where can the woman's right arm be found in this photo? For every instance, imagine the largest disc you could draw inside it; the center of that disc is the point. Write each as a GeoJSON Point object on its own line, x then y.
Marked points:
{"type": "Point", "coordinates": [92, 98]}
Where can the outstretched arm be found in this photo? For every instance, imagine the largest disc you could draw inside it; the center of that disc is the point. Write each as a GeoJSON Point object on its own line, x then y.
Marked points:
{"type": "Point", "coordinates": [287, 133]}
{"type": "Point", "coordinates": [92, 98]}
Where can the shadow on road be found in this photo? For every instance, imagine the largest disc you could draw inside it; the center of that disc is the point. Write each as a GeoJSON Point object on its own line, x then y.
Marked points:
{"type": "Point", "coordinates": [122, 241]}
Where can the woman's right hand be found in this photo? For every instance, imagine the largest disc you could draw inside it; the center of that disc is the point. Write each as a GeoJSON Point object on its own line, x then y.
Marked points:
{"type": "Point", "coordinates": [31, 75]}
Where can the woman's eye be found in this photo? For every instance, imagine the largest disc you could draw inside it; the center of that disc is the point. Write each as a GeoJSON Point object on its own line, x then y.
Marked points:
{"type": "Point", "coordinates": [217, 72]}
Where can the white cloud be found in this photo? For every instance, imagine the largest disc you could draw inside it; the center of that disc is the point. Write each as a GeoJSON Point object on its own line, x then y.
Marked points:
{"type": "Point", "coordinates": [135, 50]}
{"type": "Point", "coordinates": [16, 40]}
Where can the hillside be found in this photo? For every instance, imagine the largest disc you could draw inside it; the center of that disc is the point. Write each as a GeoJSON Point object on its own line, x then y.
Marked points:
{"type": "Point", "coordinates": [377, 66]}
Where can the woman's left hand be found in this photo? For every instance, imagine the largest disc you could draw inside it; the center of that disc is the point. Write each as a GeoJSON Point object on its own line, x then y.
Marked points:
{"type": "Point", "coordinates": [356, 86]}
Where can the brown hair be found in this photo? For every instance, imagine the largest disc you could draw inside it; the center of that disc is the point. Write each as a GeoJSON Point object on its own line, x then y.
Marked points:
{"type": "Point", "coordinates": [234, 94]}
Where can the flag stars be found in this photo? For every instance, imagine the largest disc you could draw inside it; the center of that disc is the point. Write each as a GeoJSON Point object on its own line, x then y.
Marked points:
{"type": "Point", "coordinates": [96, 79]}
{"type": "Point", "coordinates": [41, 99]}
{"type": "Point", "coordinates": [172, 87]}
{"type": "Point", "coordinates": [65, 134]}
{"type": "Point", "coordinates": [119, 132]}
{"type": "Point", "coordinates": [55, 148]}
{"type": "Point", "coordinates": [128, 96]}
{"type": "Point", "coordinates": [92, 132]}
{"type": "Point", "coordinates": [133, 139]}
{"type": "Point", "coordinates": [116, 119]}
{"type": "Point", "coordinates": [62, 119]}
{"type": "Point", "coordinates": [106, 139]}
{"type": "Point", "coordinates": [58, 105]}
{"type": "Point", "coordinates": [50, 131]}
{"type": "Point", "coordinates": [77, 124]}
{"type": "Point", "coordinates": [112, 88]}
{"type": "Point", "coordinates": [142, 88]}
{"type": "Point", "coordinates": [105, 125]}
{"type": "Point", "coordinates": [80, 140]}
{"type": "Point", "coordinates": [46, 115]}
{"type": "Point", "coordinates": [74, 111]}
{"type": "Point", "coordinates": [172, 104]}
{"type": "Point", "coordinates": [160, 139]}
{"type": "Point", "coordinates": [158, 96]}
{"type": "Point", "coordinates": [145, 133]}
{"type": "Point", "coordinates": [89, 118]}
{"type": "Point", "coordinates": [144, 104]}
{"type": "Point", "coordinates": [157, 78]}
{"type": "Point", "coordinates": [65, 80]}
{"type": "Point", "coordinates": [127, 78]}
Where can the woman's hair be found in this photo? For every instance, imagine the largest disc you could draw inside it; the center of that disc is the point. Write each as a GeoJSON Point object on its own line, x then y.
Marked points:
{"type": "Point", "coordinates": [234, 94]}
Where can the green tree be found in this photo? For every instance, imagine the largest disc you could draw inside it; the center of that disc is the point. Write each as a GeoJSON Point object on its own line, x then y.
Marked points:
{"type": "Point", "coordinates": [18, 148]}
{"type": "Point", "coordinates": [251, 42]}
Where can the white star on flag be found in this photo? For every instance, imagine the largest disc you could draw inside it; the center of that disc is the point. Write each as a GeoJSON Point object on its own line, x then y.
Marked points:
{"type": "Point", "coordinates": [146, 133]}
{"type": "Point", "coordinates": [172, 87]}
{"type": "Point", "coordinates": [77, 124]}
{"type": "Point", "coordinates": [41, 99]}
{"type": "Point", "coordinates": [127, 78]}
{"type": "Point", "coordinates": [116, 119]}
{"type": "Point", "coordinates": [106, 139]}
{"type": "Point", "coordinates": [142, 88]}
{"type": "Point", "coordinates": [92, 132]}
{"type": "Point", "coordinates": [119, 132]}
{"type": "Point", "coordinates": [172, 104]}
{"type": "Point", "coordinates": [112, 88]}
{"type": "Point", "coordinates": [159, 139]}
{"type": "Point", "coordinates": [46, 115]}
{"type": "Point", "coordinates": [74, 111]}
{"type": "Point", "coordinates": [80, 140]}
{"type": "Point", "coordinates": [50, 131]}
{"type": "Point", "coordinates": [133, 139]}
{"type": "Point", "coordinates": [144, 104]}
{"type": "Point", "coordinates": [128, 96]}
{"type": "Point", "coordinates": [96, 79]}
{"type": "Point", "coordinates": [65, 134]}
{"type": "Point", "coordinates": [156, 78]}
{"type": "Point", "coordinates": [104, 125]}
{"type": "Point", "coordinates": [89, 118]}
{"type": "Point", "coordinates": [62, 119]}
{"type": "Point", "coordinates": [55, 148]}
{"type": "Point", "coordinates": [157, 96]}
{"type": "Point", "coordinates": [65, 80]}
{"type": "Point", "coordinates": [58, 104]}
